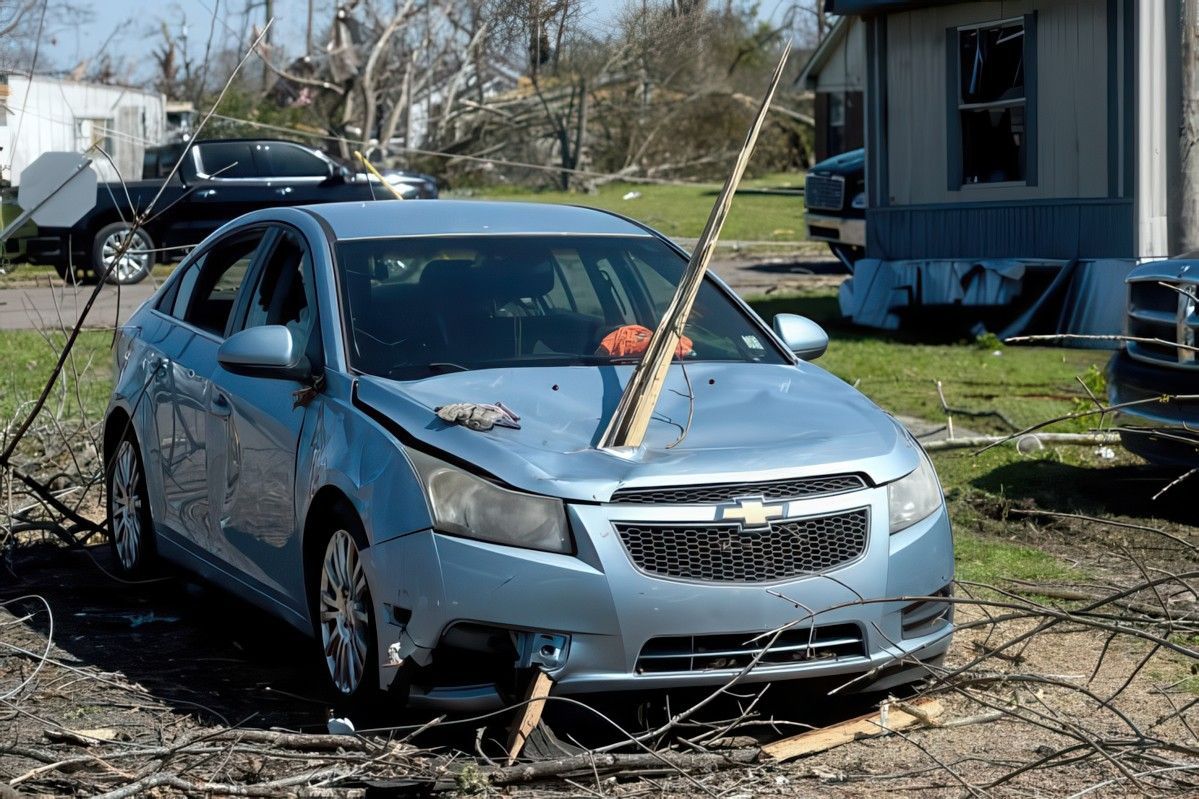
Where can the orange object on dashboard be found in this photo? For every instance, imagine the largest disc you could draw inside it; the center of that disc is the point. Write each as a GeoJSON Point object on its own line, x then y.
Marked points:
{"type": "Point", "coordinates": [634, 340]}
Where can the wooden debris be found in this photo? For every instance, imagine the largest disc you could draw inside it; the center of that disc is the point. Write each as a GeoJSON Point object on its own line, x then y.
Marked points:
{"type": "Point", "coordinates": [530, 714]}
{"type": "Point", "coordinates": [628, 424]}
{"type": "Point", "coordinates": [889, 718]}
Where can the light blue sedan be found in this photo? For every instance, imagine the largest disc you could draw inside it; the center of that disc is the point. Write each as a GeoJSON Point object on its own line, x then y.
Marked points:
{"type": "Point", "coordinates": [275, 428]}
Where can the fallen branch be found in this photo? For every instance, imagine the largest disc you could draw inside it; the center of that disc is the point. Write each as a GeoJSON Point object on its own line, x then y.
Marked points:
{"type": "Point", "coordinates": [973, 442]}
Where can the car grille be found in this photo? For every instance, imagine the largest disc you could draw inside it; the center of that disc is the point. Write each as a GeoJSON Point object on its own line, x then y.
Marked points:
{"type": "Point", "coordinates": [824, 192]}
{"type": "Point", "coordinates": [796, 488]}
{"type": "Point", "coordinates": [726, 553]}
{"type": "Point", "coordinates": [737, 650]}
{"type": "Point", "coordinates": [1165, 310]}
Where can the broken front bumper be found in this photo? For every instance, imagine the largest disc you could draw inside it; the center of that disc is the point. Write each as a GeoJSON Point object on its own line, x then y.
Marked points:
{"type": "Point", "coordinates": [626, 629]}
{"type": "Point", "coordinates": [1160, 432]}
{"type": "Point", "coordinates": [836, 229]}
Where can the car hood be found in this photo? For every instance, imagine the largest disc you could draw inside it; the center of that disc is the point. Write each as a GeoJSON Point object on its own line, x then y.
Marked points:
{"type": "Point", "coordinates": [749, 422]}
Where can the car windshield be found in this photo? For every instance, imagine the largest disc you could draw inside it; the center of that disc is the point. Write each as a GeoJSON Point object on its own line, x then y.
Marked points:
{"type": "Point", "coordinates": [427, 305]}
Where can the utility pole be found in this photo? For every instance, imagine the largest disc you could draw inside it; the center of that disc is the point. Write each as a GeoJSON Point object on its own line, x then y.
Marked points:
{"type": "Point", "coordinates": [1188, 130]}
{"type": "Point", "coordinates": [308, 34]}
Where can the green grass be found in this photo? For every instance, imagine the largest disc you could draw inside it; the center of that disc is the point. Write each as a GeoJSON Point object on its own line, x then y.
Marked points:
{"type": "Point", "coordinates": [27, 359]}
{"type": "Point", "coordinates": [681, 211]}
{"type": "Point", "coordinates": [989, 560]}
{"type": "Point", "coordinates": [900, 373]}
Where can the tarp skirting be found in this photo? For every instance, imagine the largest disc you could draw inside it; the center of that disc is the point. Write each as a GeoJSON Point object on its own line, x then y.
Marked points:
{"type": "Point", "coordinates": [1010, 296]}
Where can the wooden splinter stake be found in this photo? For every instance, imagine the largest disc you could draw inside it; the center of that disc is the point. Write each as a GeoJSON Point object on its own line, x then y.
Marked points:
{"type": "Point", "coordinates": [631, 419]}
{"type": "Point", "coordinates": [530, 714]}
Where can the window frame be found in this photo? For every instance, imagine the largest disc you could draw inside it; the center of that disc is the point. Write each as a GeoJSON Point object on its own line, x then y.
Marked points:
{"type": "Point", "coordinates": [194, 261]}
{"type": "Point", "coordinates": [238, 318]}
{"type": "Point", "coordinates": [956, 105]}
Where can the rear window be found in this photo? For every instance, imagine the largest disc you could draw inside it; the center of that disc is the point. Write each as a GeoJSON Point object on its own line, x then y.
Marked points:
{"type": "Point", "coordinates": [421, 306]}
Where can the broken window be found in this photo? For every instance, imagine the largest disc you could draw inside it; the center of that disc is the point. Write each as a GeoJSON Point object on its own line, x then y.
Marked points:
{"type": "Point", "coordinates": [992, 103]}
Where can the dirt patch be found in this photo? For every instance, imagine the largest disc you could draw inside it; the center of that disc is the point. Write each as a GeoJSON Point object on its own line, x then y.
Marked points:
{"type": "Point", "coordinates": [178, 683]}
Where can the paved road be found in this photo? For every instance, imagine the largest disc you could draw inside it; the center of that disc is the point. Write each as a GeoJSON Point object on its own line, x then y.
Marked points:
{"type": "Point", "coordinates": [42, 306]}
{"type": "Point", "coordinates": [45, 307]}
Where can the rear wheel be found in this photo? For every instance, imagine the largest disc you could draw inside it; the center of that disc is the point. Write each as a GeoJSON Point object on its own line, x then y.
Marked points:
{"type": "Point", "coordinates": [344, 613]}
{"type": "Point", "coordinates": [130, 527]}
{"type": "Point", "coordinates": [129, 251]}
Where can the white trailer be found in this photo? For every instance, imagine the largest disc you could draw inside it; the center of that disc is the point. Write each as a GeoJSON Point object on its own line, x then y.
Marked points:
{"type": "Point", "coordinates": [39, 114]}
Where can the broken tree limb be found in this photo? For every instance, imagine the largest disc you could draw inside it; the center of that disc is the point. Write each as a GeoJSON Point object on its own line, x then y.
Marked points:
{"type": "Point", "coordinates": [1045, 438]}
{"type": "Point", "coordinates": [371, 168]}
{"type": "Point", "coordinates": [889, 718]}
{"type": "Point", "coordinates": [602, 763]}
{"type": "Point", "coordinates": [631, 419]}
{"type": "Point", "coordinates": [530, 714]}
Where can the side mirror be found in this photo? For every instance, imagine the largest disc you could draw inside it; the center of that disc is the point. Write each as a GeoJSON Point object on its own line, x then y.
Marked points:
{"type": "Point", "coordinates": [801, 335]}
{"type": "Point", "coordinates": [266, 351]}
{"type": "Point", "coordinates": [338, 174]}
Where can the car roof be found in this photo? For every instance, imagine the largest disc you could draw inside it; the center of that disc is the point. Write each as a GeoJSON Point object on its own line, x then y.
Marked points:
{"type": "Point", "coordinates": [359, 220]}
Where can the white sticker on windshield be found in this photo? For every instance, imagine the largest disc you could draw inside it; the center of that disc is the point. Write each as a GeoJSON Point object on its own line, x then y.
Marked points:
{"type": "Point", "coordinates": [752, 342]}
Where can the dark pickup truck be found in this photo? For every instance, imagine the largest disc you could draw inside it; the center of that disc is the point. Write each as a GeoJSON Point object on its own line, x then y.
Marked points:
{"type": "Point", "coordinates": [218, 180]}
{"type": "Point", "coordinates": [835, 198]}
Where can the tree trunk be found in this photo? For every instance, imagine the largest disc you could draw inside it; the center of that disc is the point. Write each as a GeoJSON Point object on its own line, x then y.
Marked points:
{"type": "Point", "coordinates": [1188, 234]}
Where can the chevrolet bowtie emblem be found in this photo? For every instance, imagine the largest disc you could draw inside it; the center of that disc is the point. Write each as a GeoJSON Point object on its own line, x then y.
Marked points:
{"type": "Point", "coordinates": [750, 511]}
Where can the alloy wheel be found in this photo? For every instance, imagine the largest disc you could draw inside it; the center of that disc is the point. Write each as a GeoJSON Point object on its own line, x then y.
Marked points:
{"type": "Point", "coordinates": [125, 506]}
{"type": "Point", "coordinates": [344, 619]}
{"type": "Point", "coordinates": [131, 263]}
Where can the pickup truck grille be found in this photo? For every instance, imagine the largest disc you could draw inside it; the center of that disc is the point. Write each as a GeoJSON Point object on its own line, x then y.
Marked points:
{"type": "Point", "coordinates": [1167, 311]}
{"type": "Point", "coordinates": [824, 192]}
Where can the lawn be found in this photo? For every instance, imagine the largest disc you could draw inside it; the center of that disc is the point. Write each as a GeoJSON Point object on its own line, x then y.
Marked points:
{"type": "Point", "coordinates": [27, 359]}
{"type": "Point", "coordinates": [680, 211]}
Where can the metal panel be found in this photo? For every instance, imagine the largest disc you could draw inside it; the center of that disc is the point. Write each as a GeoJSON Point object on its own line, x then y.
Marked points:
{"type": "Point", "coordinates": [1063, 229]}
{"type": "Point", "coordinates": [1066, 92]}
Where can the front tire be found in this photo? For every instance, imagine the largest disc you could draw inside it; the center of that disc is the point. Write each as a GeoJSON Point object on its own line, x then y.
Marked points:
{"type": "Point", "coordinates": [135, 249]}
{"type": "Point", "coordinates": [130, 526]}
{"type": "Point", "coordinates": [343, 614]}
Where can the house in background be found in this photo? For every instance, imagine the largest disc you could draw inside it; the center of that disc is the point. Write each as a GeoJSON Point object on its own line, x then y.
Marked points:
{"type": "Point", "coordinates": [1021, 157]}
{"type": "Point", "coordinates": [836, 74]}
{"type": "Point", "coordinates": [40, 113]}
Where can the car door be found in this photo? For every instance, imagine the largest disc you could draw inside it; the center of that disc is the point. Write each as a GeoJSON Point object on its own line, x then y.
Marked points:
{"type": "Point", "coordinates": [199, 306]}
{"type": "Point", "coordinates": [255, 425]}
{"type": "Point", "coordinates": [231, 180]}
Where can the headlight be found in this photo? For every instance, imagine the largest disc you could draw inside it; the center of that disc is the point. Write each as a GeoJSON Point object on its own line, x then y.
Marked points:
{"type": "Point", "coordinates": [859, 201]}
{"type": "Point", "coordinates": [470, 506]}
{"type": "Point", "coordinates": [915, 496]}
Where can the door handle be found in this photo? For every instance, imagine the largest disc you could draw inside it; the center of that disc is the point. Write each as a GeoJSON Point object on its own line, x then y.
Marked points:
{"type": "Point", "coordinates": [220, 406]}
{"type": "Point", "coordinates": [204, 194]}
{"type": "Point", "coordinates": [283, 192]}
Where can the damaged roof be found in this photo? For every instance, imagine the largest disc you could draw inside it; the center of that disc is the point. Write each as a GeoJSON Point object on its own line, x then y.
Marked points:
{"type": "Point", "coordinates": [468, 217]}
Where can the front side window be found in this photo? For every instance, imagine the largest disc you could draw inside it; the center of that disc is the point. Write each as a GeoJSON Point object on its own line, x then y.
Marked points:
{"type": "Point", "coordinates": [421, 306]}
{"type": "Point", "coordinates": [292, 161]}
{"type": "Point", "coordinates": [286, 294]}
{"type": "Point", "coordinates": [992, 103]}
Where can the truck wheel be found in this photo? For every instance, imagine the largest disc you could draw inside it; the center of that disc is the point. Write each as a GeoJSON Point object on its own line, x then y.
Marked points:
{"type": "Point", "coordinates": [136, 257]}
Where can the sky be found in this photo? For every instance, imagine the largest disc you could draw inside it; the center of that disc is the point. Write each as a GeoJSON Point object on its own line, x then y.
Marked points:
{"type": "Point", "coordinates": [129, 29]}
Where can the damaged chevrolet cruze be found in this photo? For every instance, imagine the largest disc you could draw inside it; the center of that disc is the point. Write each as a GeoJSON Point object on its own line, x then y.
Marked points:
{"type": "Point", "coordinates": [383, 422]}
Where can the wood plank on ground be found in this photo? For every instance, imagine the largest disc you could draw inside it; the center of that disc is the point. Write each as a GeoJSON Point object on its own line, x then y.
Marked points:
{"type": "Point", "coordinates": [891, 717]}
{"type": "Point", "coordinates": [529, 715]}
